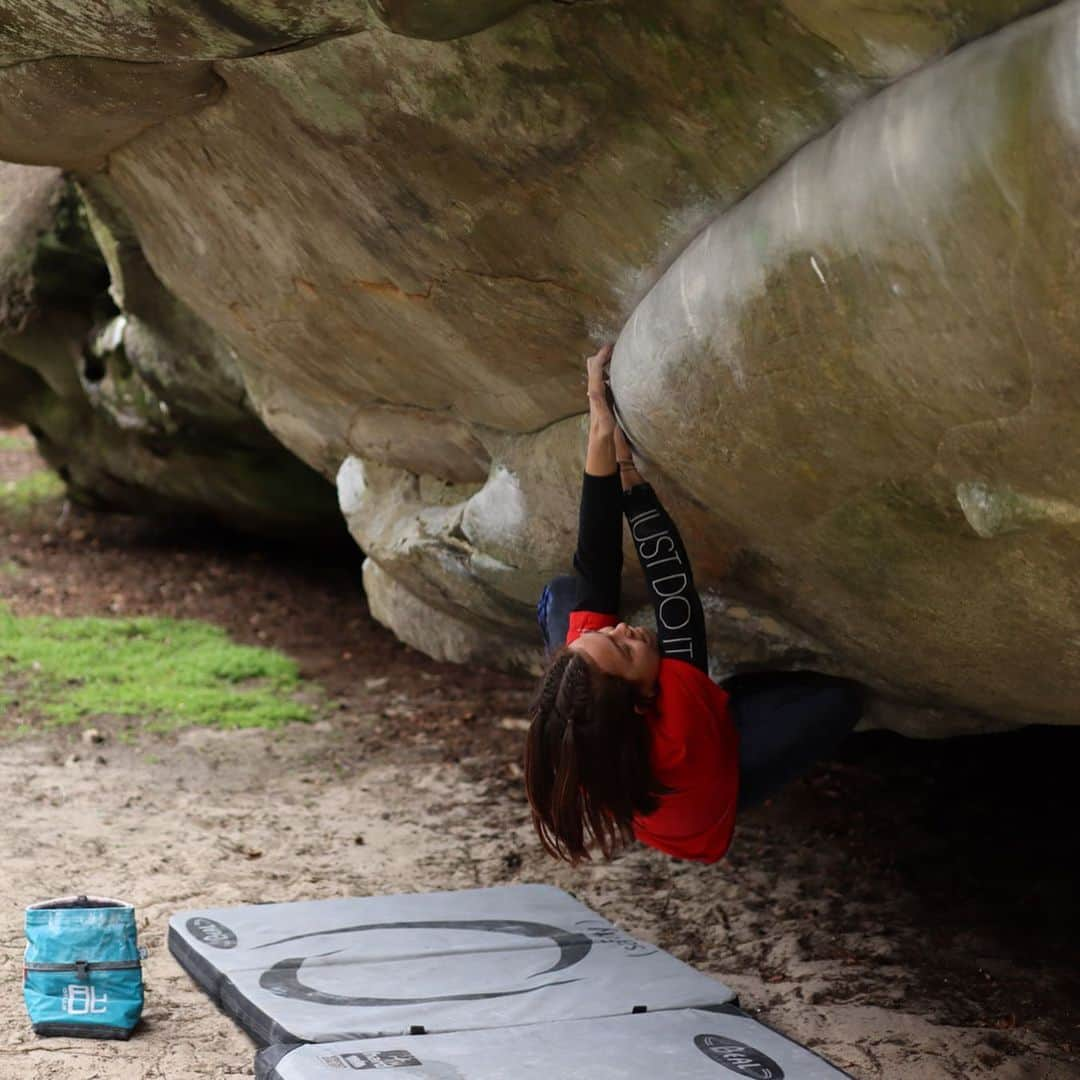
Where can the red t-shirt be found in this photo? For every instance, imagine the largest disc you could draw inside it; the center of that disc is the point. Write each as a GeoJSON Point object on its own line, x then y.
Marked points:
{"type": "Point", "coordinates": [695, 753]}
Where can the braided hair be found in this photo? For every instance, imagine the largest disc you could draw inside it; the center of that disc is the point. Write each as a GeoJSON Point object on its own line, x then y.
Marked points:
{"type": "Point", "coordinates": [587, 770]}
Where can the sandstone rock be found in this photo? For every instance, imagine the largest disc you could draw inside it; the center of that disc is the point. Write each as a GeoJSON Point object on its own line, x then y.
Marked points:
{"type": "Point", "coordinates": [151, 31]}
{"type": "Point", "coordinates": [439, 20]}
{"type": "Point", "coordinates": [459, 640]}
{"type": "Point", "coordinates": [404, 248]}
{"type": "Point", "coordinates": [30, 242]}
{"type": "Point", "coordinates": [74, 111]}
{"type": "Point", "coordinates": [882, 363]}
{"type": "Point", "coordinates": [142, 410]}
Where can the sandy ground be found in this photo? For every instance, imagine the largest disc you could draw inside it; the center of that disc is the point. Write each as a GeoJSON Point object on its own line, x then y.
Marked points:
{"type": "Point", "coordinates": [909, 911]}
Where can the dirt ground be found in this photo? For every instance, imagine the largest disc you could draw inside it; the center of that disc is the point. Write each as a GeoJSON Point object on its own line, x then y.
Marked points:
{"type": "Point", "coordinates": [909, 910]}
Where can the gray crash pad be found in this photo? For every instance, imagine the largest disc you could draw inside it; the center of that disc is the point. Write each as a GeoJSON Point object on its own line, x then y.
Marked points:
{"type": "Point", "coordinates": [332, 970]}
{"type": "Point", "coordinates": [684, 1044]}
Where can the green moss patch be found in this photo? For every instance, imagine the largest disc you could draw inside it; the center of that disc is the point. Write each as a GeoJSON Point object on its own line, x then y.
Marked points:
{"type": "Point", "coordinates": [13, 442]}
{"type": "Point", "coordinates": [165, 673]}
{"type": "Point", "coordinates": [19, 496]}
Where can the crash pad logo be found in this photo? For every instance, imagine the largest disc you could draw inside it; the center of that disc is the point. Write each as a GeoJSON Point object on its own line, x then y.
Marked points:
{"type": "Point", "coordinates": [738, 1057]}
{"type": "Point", "coordinates": [283, 978]}
{"type": "Point", "coordinates": [600, 932]}
{"type": "Point", "coordinates": [379, 1059]}
{"type": "Point", "coordinates": [211, 932]}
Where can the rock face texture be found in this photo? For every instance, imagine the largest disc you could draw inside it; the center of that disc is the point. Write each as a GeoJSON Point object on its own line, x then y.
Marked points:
{"type": "Point", "coordinates": [882, 350]}
{"type": "Point", "coordinates": [402, 224]}
{"type": "Point", "coordinates": [131, 397]}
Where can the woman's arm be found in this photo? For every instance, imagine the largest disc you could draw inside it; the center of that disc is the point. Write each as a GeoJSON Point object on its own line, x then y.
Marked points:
{"type": "Point", "coordinates": [680, 621]}
{"type": "Point", "coordinates": [598, 558]}
{"type": "Point", "coordinates": [600, 454]}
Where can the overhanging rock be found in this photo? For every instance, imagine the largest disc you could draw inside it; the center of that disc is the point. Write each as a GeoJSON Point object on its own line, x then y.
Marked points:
{"type": "Point", "coordinates": [405, 246]}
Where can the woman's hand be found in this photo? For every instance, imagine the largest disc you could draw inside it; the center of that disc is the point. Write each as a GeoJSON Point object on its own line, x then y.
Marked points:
{"type": "Point", "coordinates": [601, 415]}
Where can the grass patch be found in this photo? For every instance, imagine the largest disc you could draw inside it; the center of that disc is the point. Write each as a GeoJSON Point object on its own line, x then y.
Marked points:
{"type": "Point", "coordinates": [14, 442]}
{"type": "Point", "coordinates": [10, 568]}
{"type": "Point", "coordinates": [23, 495]}
{"type": "Point", "coordinates": [167, 673]}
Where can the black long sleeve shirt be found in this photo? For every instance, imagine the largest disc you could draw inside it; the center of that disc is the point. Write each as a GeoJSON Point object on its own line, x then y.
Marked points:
{"type": "Point", "coordinates": [680, 621]}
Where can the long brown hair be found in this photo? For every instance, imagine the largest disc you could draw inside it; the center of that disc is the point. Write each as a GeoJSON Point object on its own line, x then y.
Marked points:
{"type": "Point", "coordinates": [587, 770]}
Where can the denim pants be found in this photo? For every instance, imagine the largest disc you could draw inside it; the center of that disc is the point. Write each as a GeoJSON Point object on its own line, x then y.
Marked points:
{"type": "Point", "coordinates": [787, 720]}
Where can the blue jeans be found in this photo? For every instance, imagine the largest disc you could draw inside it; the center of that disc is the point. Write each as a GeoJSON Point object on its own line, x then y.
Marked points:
{"type": "Point", "coordinates": [553, 611]}
{"type": "Point", "coordinates": [787, 720]}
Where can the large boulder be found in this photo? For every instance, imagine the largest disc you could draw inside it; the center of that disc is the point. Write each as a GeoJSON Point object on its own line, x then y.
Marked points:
{"type": "Point", "coordinates": [882, 349]}
{"type": "Point", "coordinates": [130, 396]}
{"type": "Point", "coordinates": [408, 221]}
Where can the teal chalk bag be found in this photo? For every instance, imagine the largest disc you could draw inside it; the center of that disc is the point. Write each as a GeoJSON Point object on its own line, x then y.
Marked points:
{"type": "Point", "coordinates": [82, 975]}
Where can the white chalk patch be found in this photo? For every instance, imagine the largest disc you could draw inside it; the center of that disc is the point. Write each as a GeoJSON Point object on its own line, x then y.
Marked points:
{"type": "Point", "coordinates": [497, 512]}
{"type": "Point", "coordinates": [817, 270]}
{"type": "Point", "coordinates": [1064, 76]}
{"type": "Point", "coordinates": [687, 307]}
{"type": "Point", "coordinates": [795, 192]}
{"type": "Point", "coordinates": [112, 337]}
{"type": "Point", "coordinates": [351, 485]}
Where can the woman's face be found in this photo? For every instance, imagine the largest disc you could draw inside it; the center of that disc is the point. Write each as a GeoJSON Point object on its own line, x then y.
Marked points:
{"type": "Point", "coordinates": [629, 652]}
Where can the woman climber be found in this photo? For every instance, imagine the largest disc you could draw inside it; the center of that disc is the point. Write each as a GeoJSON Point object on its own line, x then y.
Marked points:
{"type": "Point", "coordinates": [629, 737]}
